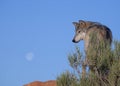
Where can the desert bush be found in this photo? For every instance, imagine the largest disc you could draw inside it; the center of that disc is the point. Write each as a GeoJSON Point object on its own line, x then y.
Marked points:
{"type": "Point", "coordinates": [103, 68]}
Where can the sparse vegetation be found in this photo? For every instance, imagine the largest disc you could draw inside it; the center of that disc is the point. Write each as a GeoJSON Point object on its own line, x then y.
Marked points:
{"type": "Point", "coordinates": [103, 69]}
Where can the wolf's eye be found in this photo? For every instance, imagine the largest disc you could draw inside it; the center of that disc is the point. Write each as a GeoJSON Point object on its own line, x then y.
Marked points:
{"type": "Point", "coordinates": [78, 31]}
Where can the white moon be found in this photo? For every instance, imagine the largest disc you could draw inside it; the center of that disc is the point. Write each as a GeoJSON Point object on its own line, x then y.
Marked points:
{"type": "Point", "coordinates": [29, 56]}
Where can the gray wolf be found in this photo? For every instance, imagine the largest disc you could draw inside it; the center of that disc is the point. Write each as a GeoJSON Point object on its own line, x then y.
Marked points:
{"type": "Point", "coordinates": [84, 30]}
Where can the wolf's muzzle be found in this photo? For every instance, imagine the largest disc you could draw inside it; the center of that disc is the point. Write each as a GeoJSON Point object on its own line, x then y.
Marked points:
{"type": "Point", "coordinates": [74, 41]}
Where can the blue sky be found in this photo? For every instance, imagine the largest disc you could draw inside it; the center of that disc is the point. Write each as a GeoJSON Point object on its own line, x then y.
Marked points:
{"type": "Point", "coordinates": [36, 35]}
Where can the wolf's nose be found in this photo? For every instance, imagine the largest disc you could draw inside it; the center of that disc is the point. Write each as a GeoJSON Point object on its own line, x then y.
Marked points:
{"type": "Point", "coordinates": [73, 40]}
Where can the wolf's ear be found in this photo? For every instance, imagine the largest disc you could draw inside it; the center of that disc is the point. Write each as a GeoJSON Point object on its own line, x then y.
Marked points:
{"type": "Point", "coordinates": [75, 23]}
{"type": "Point", "coordinates": [82, 23]}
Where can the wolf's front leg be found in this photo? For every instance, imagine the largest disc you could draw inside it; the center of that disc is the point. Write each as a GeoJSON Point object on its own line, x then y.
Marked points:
{"type": "Point", "coordinates": [84, 65]}
{"type": "Point", "coordinates": [84, 68]}
{"type": "Point", "coordinates": [83, 71]}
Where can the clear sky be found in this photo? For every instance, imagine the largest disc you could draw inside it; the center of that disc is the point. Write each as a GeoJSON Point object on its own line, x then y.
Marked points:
{"type": "Point", "coordinates": [36, 35]}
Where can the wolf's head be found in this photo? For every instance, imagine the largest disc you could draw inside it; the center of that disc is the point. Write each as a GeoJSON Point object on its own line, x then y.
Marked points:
{"type": "Point", "coordinates": [80, 31]}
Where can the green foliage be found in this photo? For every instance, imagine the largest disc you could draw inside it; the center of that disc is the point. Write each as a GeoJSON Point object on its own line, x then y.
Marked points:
{"type": "Point", "coordinates": [76, 60]}
{"type": "Point", "coordinates": [104, 67]}
{"type": "Point", "coordinates": [67, 79]}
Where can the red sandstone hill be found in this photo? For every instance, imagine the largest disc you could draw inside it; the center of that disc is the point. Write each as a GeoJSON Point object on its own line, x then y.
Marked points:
{"type": "Point", "coordinates": [38, 83]}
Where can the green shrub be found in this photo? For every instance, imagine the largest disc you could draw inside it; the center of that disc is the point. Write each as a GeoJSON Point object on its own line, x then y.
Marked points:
{"type": "Point", "coordinates": [104, 61]}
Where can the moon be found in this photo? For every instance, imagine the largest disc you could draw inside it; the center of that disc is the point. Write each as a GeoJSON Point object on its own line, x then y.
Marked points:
{"type": "Point", "coordinates": [29, 56]}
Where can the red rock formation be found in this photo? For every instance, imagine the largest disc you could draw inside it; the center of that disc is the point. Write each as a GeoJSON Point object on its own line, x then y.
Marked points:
{"type": "Point", "coordinates": [38, 83]}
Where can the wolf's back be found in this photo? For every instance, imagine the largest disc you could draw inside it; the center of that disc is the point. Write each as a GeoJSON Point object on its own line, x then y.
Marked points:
{"type": "Point", "coordinates": [101, 31]}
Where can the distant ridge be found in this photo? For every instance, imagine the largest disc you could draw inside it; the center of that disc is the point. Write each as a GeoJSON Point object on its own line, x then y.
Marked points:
{"type": "Point", "coordinates": [39, 83]}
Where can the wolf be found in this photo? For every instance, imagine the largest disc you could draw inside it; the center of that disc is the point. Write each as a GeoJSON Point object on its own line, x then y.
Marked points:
{"type": "Point", "coordinates": [84, 30]}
